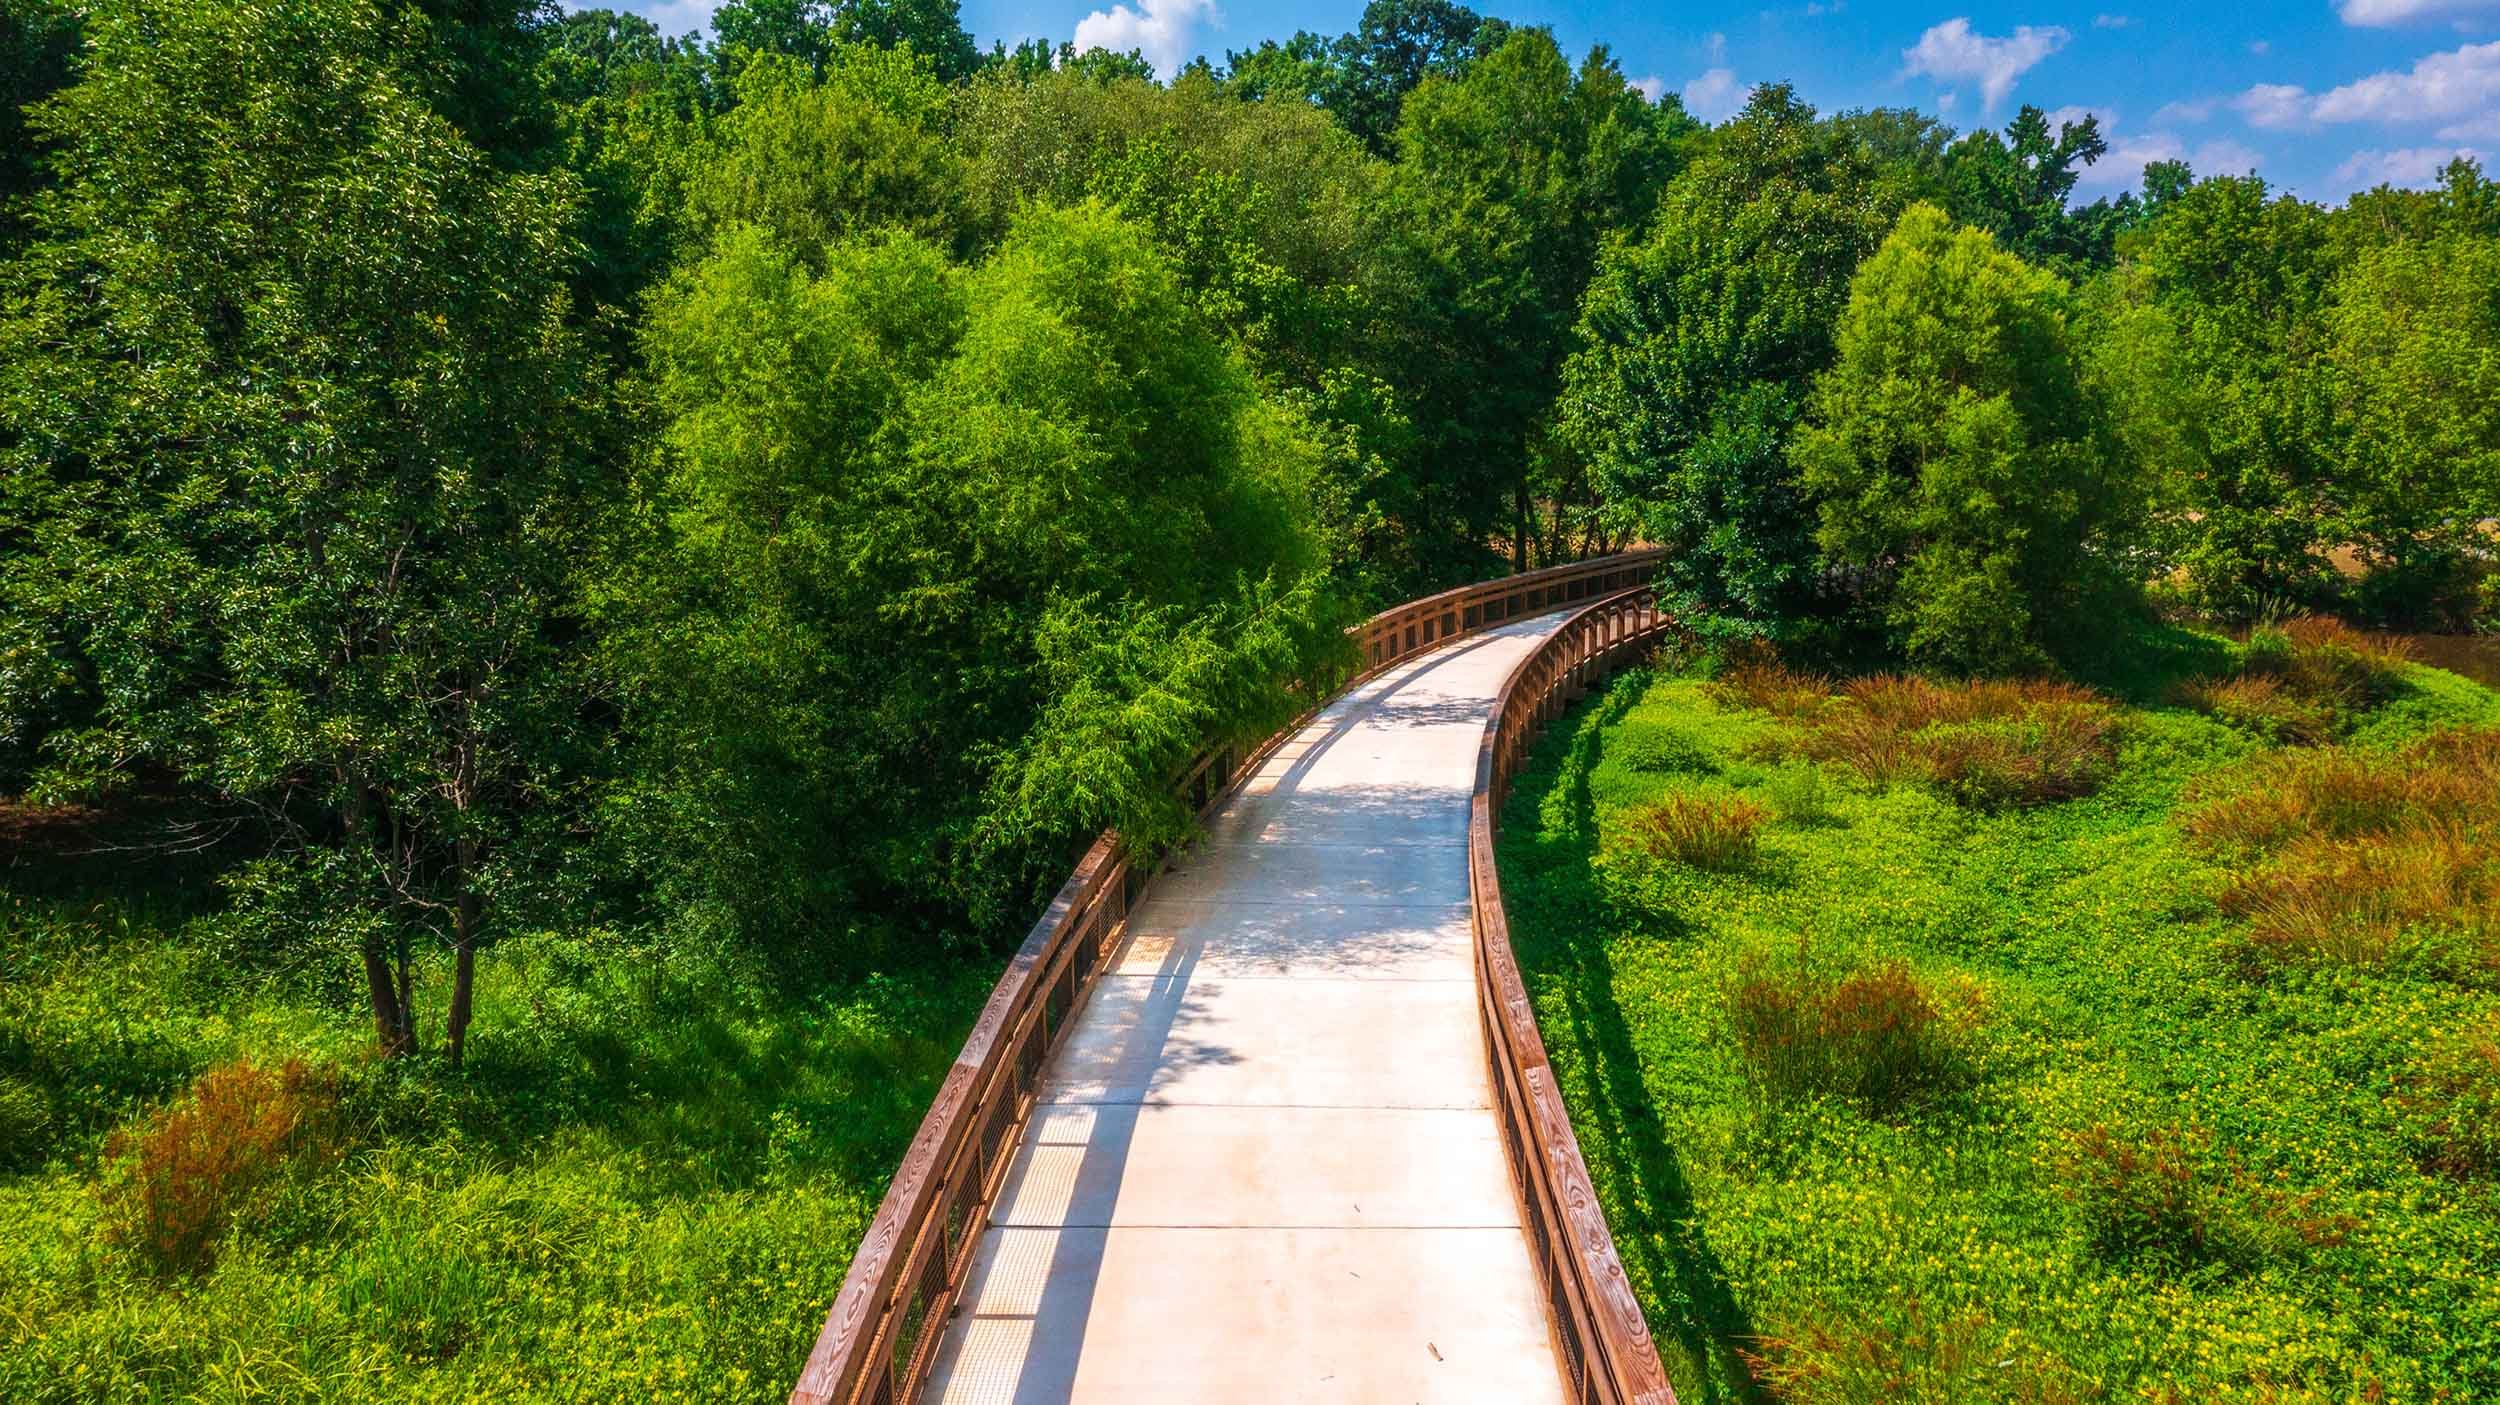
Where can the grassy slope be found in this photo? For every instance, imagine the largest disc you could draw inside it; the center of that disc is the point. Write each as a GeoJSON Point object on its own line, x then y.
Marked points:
{"type": "Point", "coordinates": [646, 1184]}
{"type": "Point", "coordinates": [1934, 1257]}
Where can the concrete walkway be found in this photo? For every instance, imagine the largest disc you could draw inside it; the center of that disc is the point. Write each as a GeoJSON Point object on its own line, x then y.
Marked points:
{"type": "Point", "coordinates": [1265, 1167]}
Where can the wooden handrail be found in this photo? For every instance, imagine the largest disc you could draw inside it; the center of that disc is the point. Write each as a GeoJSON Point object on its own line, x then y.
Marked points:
{"type": "Point", "coordinates": [1607, 1353]}
{"type": "Point", "coordinates": [882, 1332]}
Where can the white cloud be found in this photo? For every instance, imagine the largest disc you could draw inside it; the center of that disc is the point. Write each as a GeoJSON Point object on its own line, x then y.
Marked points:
{"type": "Point", "coordinates": [2381, 14]}
{"type": "Point", "coordinates": [2185, 110]}
{"type": "Point", "coordinates": [674, 17]}
{"type": "Point", "coordinates": [2274, 106]}
{"type": "Point", "coordinates": [2410, 166]}
{"type": "Point", "coordinates": [1954, 53]}
{"type": "Point", "coordinates": [1715, 96]}
{"type": "Point", "coordinates": [2460, 87]}
{"type": "Point", "coordinates": [1650, 87]}
{"type": "Point", "coordinates": [2106, 116]}
{"type": "Point", "coordinates": [1165, 31]}
{"type": "Point", "coordinates": [2123, 167]}
{"type": "Point", "coordinates": [2459, 83]}
{"type": "Point", "coordinates": [2112, 21]}
{"type": "Point", "coordinates": [2260, 47]}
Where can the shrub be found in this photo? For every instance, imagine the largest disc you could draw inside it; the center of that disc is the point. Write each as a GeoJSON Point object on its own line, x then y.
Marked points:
{"type": "Point", "coordinates": [1766, 685]}
{"type": "Point", "coordinates": [1987, 744]}
{"type": "Point", "coordinates": [2367, 858]}
{"type": "Point", "coordinates": [1869, 1034]}
{"type": "Point", "coordinates": [2168, 1193]}
{"type": "Point", "coordinates": [2451, 1102]}
{"type": "Point", "coordinates": [1706, 831]}
{"type": "Point", "coordinates": [1799, 795]}
{"type": "Point", "coordinates": [2261, 705]}
{"type": "Point", "coordinates": [2428, 895]}
{"type": "Point", "coordinates": [2300, 681]}
{"type": "Point", "coordinates": [200, 1165]}
{"type": "Point", "coordinates": [2335, 663]}
{"type": "Point", "coordinates": [2148, 1194]}
{"type": "Point", "coordinates": [2448, 777]}
{"type": "Point", "coordinates": [1898, 1351]}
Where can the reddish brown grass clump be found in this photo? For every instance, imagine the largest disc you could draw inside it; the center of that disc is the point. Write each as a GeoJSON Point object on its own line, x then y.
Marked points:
{"type": "Point", "coordinates": [1767, 685]}
{"type": "Point", "coordinates": [1988, 744]}
{"type": "Point", "coordinates": [2366, 858]}
{"type": "Point", "coordinates": [2297, 684]}
{"type": "Point", "coordinates": [2168, 1193]}
{"type": "Point", "coordinates": [1871, 1034]}
{"type": "Point", "coordinates": [1870, 1354]}
{"type": "Point", "coordinates": [201, 1164]}
{"type": "Point", "coordinates": [1706, 831]}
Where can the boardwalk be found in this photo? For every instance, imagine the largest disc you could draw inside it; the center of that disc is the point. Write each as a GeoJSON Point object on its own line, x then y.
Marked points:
{"type": "Point", "coordinates": [1264, 1167]}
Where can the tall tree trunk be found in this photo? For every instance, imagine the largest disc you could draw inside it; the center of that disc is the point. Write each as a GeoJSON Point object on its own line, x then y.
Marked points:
{"type": "Point", "coordinates": [464, 919]}
{"type": "Point", "coordinates": [390, 1012]}
{"type": "Point", "coordinates": [1519, 525]}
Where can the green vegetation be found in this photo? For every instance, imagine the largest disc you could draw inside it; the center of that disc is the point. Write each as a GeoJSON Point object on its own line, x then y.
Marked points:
{"type": "Point", "coordinates": [646, 1180]}
{"type": "Point", "coordinates": [566, 593]}
{"type": "Point", "coordinates": [2169, 1079]}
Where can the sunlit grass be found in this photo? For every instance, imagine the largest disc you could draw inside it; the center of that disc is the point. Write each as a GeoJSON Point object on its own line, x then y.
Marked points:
{"type": "Point", "coordinates": [2158, 1169]}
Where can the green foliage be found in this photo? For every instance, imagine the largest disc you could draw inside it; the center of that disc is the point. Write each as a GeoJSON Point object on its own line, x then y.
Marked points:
{"type": "Point", "coordinates": [2148, 1174]}
{"type": "Point", "coordinates": [1955, 448]}
{"type": "Point", "coordinates": [816, 159]}
{"type": "Point", "coordinates": [648, 1179]}
{"type": "Point", "coordinates": [2211, 363]}
{"type": "Point", "coordinates": [1362, 78]}
{"type": "Point", "coordinates": [1510, 175]}
{"type": "Point", "coordinates": [1700, 339]}
{"type": "Point", "coordinates": [1867, 1031]}
{"type": "Point", "coordinates": [37, 41]}
{"type": "Point", "coordinates": [2019, 188]}
{"type": "Point", "coordinates": [950, 566]}
{"type": "Point", "coordinates": [2415, 377]}
{"type": "Point", "coordinates": [296, 468]}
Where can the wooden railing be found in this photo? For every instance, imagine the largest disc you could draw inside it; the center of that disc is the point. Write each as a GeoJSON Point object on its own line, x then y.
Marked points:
{"type": "Point", "coordinates": [885, 1324]}
{"type": "Point", "coordinates": [1608, 1357]}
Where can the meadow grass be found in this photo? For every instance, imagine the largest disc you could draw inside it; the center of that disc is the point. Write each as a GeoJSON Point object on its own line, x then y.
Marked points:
{"type": "Point", "coordinates": [1937, 1098]}
{"type": "Point", "coordinates": [646, 1185]}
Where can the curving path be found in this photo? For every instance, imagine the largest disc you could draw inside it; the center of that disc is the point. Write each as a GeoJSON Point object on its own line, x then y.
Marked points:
{"type": "Point", "coordinates": [1264, 1165]}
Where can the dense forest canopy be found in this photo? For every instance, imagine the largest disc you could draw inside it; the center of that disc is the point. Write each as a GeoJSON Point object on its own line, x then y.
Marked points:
{"type": "Point", "coordinates": [787, 487]}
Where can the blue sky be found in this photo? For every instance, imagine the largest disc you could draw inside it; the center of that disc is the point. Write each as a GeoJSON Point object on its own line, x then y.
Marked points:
{"type": "Point", "coordinates": [2323, 97]}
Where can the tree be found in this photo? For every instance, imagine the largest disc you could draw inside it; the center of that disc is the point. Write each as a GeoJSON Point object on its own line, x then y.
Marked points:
{"type": "Point", "coordinates": [815, 160]}
{"type": "Point", "coordinates": [37, 40]}
{"type": "Point", "coordinates": [1510, 176]}
{"type": "Point", "coordinates": [1957, 455]}
{"type": "Point", "coordinates": [1362, 78]}
{"type": "Point", "coordinates": [2017, 188]}
{"type": "Point", "coordinates": [296, 398]}
{"type": "Point", "coordinates": [948, 566]}
{"type": "Point", "coordinates": [1697, 343]}
{"type": "Point", "coordinates": [2212, 360]}
{"type": "Point", "coordinates": [2414, 366]}
{"type": "Point", "coordinates": [810, 30]}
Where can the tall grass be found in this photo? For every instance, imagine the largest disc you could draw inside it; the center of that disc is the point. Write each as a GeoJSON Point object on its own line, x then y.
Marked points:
{"type": "Point", "coordinates": [2355, 857]}
{"type": "Point", "coordinates": [1706, 831]}
{"type": "Point", "coordinates": [1868, 1032]}
{"type": "Point", "coordinates": [1988, 744]}
{"type": "Point", "coordinates": [2301, 682]}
